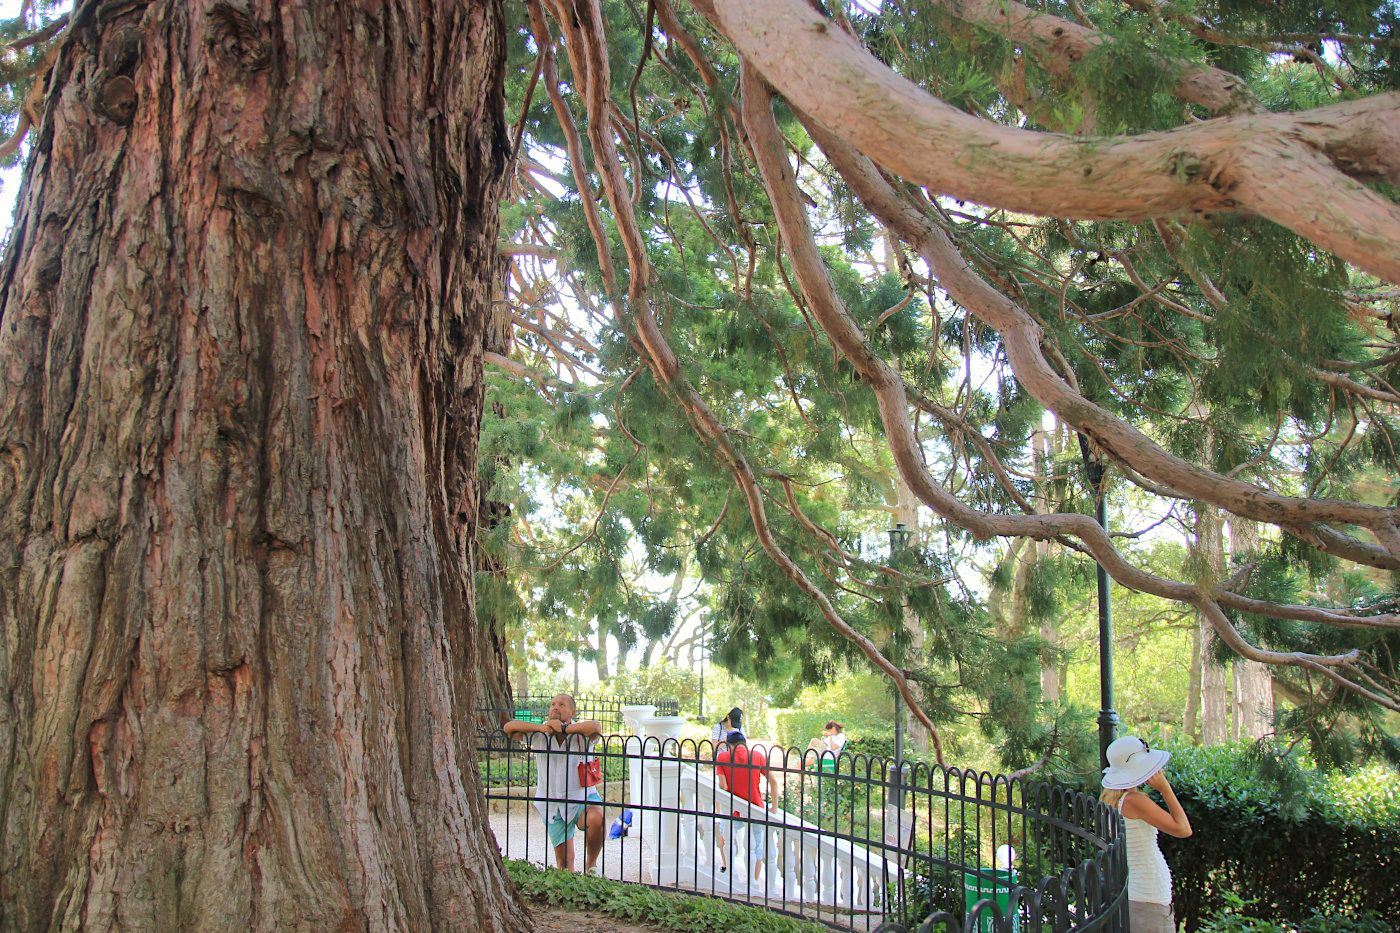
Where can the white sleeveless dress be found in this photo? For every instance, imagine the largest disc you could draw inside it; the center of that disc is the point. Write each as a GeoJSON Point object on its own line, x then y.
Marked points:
{"type": "Point", "coordinates": [1149, 878]}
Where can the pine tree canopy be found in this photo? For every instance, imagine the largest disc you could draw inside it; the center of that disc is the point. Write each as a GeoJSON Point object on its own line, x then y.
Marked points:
{"type": "Point", "coordinates": [778, 274]}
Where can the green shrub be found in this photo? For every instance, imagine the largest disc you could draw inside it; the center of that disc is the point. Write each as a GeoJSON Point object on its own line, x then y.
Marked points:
{"type": "Point", "coordinates": [1235, 918]}
{"type": "Point", "coordinates": [861, 702]}
{"type": "Point", "coordinates": [865, 734]}
{"type": "Point", "coordinates": [937, 880]}
{"type": "Point", "coordinates": [681, 913]}
{"type": "Point", "coordinates": [1276, 839]}
{"type": "Point", "coordinates": [795, 728]}
{"type": "Point", "coordinates": [507, 770]}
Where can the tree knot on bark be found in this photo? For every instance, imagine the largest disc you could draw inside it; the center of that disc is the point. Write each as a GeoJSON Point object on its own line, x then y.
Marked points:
{"type": "Point", "coordinates": [116, 100]}
{"type": "Point", "coordinates": [114, 91]}
{"type": "Point", "coordinates": [237, 37]}
{"type": "Point", "coordinates": [1186, 166]}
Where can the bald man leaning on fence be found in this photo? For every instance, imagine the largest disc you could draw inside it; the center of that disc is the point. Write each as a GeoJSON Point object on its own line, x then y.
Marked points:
{"type": "Point", "coordinates": [563, 750]}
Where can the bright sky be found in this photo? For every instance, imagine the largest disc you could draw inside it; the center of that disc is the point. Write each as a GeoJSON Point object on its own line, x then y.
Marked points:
{"type": "Point", "coordinates": [9, 178]}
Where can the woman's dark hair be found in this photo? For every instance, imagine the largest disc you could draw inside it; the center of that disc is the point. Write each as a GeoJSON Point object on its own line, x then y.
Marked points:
{"type": "Point", "coordinates": [736, 719]}
{"type": "Point", "coordinates": [834, 725]}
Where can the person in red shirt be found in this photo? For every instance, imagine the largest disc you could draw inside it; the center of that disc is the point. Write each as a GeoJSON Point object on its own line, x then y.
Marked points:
{"type": "Point", "coordinates": [741, 771]}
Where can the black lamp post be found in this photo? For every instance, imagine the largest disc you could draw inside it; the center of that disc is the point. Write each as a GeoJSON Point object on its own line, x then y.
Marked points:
{"type": "Point", "coordinates": [1108, 716]}
{"type": "Point", "coordinates": [899, 540]}
{"type": "Point", "coordinates": [702, 679]}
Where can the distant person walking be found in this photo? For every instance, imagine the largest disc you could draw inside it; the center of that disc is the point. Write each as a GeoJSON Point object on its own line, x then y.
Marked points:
{"type": "Point", "coordinates": [741, 772]}
{"type": "Point", "coordinates": [1132, 764]}
{"type": "Point", "coordinates": [733, 721]}
{"type": "Point", "coordinates": [561, 745]}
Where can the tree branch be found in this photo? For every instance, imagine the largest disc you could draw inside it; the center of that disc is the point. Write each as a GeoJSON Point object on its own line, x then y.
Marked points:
{"type": "Point", "coordinates": [586, 29]}
{"type": "Point", "coordinates": [1302, 170]}
{"type": "Point", "coordinates": [888, 388]}
{"type": "Point", "coordinates": [1023, 338]}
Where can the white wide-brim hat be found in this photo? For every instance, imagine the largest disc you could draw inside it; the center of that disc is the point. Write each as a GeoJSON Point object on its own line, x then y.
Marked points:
{"type": "Point", "coordinates": [1131, 763]}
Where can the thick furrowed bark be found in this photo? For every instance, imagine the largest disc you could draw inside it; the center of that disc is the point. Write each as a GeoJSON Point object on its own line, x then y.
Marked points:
{"type": "Point", "coordinates": [240, 342]}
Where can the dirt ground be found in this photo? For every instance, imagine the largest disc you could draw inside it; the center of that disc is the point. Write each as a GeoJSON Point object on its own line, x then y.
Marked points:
{"type": "Point", "coordinates": [550, 919]}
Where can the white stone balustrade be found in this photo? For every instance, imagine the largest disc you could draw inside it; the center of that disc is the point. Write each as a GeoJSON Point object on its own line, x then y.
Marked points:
{"type": "Point", "coordinates": [656, 736]}
{"type": "Point", "coordinates": [803, 863]}
{"type": "Point", "coordinates": [633, 714]}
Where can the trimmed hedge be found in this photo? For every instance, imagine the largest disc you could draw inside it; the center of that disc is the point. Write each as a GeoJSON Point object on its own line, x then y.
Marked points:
{"type": "Point", "coordinates": [1329, 845]}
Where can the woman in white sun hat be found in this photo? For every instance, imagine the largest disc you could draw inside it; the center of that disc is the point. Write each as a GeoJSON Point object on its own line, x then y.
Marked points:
{"type": "Point", "coordinates": [1130, 765]}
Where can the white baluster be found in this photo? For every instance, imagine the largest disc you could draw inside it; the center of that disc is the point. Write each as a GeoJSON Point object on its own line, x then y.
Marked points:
{"type": "Point", "coordinates": [802, 863]}
{"type": "Point", "coordinates": [631, 716]}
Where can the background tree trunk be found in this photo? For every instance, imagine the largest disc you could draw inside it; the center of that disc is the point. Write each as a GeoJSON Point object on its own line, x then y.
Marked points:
{"type": "Point", "coordinates": [1254, 700]}
{"type": "Point", "coordinates": [1215, 689]}
{"type": "Point", "coordinates": [1189, 719]}
{"type": "Point", "coordinates": [522, 669]}
{"type": "Point", "coordinates": [240, 336]}
{"type": "Point", "coordinates": [493, 688]}
{"type": "Point", "coordinates": [1004, 597]}
{"type": "Point", "coordinates": [907, 511]}
{"type": "Point", "coordinates": [1050, 682]}
{"type": "Point", "coordinates": [1254, 686]}
{"type": "Point", "coordinates": [491, 659]}
{"type": "Point", "coordinates": [1206, 560]}
{"type": "Point", "coordinates": [600, 655]}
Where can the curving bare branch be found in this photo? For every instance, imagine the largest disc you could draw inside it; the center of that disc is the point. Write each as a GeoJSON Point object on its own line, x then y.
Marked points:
{"type": "Point", "coordinates": [1060, 44]}
{"type": "Point", "coordinates": [821, 297]}
{"type": "Point", "coordinates": [584, 27]}
{"type": "Point", "coordinates": [1024, 344]}
{"type": "Point", "coordinates": [1306, 171]}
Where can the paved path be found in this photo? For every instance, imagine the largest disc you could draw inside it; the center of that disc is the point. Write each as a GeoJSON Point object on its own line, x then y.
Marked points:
{"type": "Point", "coordinates": [522, 836]}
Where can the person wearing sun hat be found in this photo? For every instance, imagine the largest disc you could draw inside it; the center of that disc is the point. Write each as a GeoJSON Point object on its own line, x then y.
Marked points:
{"type": "Point", "coordinates": [1131, 764]}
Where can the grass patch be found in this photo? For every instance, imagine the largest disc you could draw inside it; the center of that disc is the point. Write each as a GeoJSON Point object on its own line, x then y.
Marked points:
{"type": "Point", "coordinates": [681, 913]}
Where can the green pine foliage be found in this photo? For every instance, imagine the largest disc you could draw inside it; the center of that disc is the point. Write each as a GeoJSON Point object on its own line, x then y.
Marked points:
{"type": "Point", "coordinates": [1206, 333]}
{"type": "Point", "coordinates": [27, 42]}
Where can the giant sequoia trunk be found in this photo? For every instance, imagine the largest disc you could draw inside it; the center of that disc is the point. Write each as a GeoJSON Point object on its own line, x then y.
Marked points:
{"type": "Point", "coordinates": [491, 661]}
{"type": "Point", "coordinates": [240, 338]}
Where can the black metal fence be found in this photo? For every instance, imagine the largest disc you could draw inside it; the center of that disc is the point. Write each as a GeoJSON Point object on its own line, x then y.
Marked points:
{"type": "Point", "coordinates": [606, 710]}
{"type": "Point", "coordinates": [845, 841]}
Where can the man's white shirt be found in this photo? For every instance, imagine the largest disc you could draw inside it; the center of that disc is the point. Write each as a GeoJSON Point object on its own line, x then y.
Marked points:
{"type": "Point", "coordinates": [557, 787]}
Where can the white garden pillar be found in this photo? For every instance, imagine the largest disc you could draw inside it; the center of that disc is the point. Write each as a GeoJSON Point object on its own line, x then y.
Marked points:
{"type": "Point", "coordinates": [632, 714]}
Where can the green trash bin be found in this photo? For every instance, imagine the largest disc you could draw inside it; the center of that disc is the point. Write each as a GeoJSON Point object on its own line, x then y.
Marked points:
{"type": "Point", "coordinates": [995, 885]}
